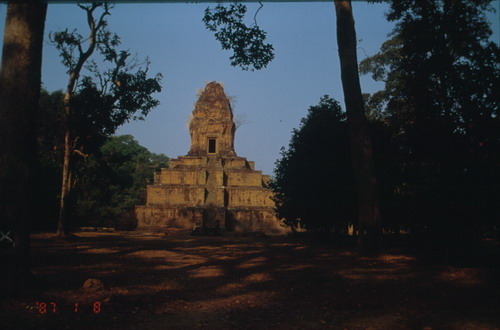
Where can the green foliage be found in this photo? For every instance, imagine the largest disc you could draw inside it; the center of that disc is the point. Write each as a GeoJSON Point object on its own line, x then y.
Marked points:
{"type": "Point", "coordinates": [50, 125]}
{"type": "Point", "coordinates": [99, 111]}
{"type": "Point", "coordinates": [247, 43]}
{"type": "Point", "coordinates": [113, 182]}
{"type": "Point", "coordinates": [108, 183]}
{"type": "Point", "coordinates": [442, 81]}
{"type": "Point", "coordinates": [109, 95]}
{"type": "Point", "coordinates": [313, 180]}
{"type": "Point", "coordinates": [96, 104]}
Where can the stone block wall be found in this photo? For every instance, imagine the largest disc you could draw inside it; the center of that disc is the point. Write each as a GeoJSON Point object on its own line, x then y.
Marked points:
{"type": "Point", "coordinates": [235, 163]}
{"type": "Point", "coordinates": [248, 197]}
{"type": "Point", "coordinates": [244, 178]}
{"type": "Point", "coordinates": [161, 217]}
{"type": "Point", "coordinates": [184, 175]}
{"type": "Point", "coordinates": [187, 161]}
{"type": "Point", "coordinates": [253, 220]}
{"type": "Point", "coordinates": [185, 195]}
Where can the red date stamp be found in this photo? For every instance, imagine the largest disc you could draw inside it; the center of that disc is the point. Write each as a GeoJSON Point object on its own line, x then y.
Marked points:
{"type": "Point", "coordinates": [52, 307]}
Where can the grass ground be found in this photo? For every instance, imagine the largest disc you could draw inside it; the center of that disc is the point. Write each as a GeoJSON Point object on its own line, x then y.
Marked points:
{"type": "Point", "coordinates": [184, 282]}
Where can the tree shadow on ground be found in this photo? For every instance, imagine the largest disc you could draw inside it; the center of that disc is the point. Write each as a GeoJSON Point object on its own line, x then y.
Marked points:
{"type": "Point", "coordinates": [157, 282]}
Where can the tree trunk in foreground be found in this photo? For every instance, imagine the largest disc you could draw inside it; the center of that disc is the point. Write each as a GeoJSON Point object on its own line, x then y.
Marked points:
{"type": "Point", "coordinates": [361, 147]}
{"type": "Point", "coordinates": [20, 77]}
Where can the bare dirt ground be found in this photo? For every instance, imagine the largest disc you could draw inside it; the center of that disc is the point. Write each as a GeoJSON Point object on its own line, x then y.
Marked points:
{"type": "Point", "coordinates": [166, 282]}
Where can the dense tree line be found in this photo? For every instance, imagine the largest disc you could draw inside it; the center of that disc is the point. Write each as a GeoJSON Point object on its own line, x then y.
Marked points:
{"type": "Point", "coordinates": [324, 198]}
{"type": "Point", "coordinates": [96, 103]}
{"type": "Point", "coordinates": [108, 183]}
{"type": "Point", "coordinates": [435, 128]}
{"type": "Point", "coordinates": [75, 126]}
{"type": "Point", "coordinates": [442, 81]}
{"type": "Point", "coordinates": [314, 181]}
{"type": "Point", "coordinates": [113, 182]}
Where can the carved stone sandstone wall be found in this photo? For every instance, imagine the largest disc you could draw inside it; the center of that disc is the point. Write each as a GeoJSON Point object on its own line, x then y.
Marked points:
{"type": "Point", "coordinates": [210, 186]}
{"type": "Point", "coordinates": [212, 119]}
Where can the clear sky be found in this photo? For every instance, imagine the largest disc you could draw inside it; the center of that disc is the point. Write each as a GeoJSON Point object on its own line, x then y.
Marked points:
{"type": "Point", "coordinates": [272, 101]}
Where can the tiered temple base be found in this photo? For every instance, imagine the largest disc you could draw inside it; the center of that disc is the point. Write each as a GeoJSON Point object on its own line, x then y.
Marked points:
{"type": "Point", "coordinates": [210, 192]}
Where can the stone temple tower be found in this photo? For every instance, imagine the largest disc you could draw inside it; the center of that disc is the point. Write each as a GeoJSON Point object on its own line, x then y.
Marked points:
{"type": "Point", "coordinates": [212, 127]}
{"type": "Point", "coordinates": [211, 186]}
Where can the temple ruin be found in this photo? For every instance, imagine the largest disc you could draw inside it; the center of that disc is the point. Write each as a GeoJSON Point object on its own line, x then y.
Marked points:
{"type": "Point", "coordinates": [210, 187]}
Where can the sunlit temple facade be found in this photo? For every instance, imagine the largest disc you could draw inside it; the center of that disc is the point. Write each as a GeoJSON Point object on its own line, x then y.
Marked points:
{"type": "Point", "coordinates": [210, 187]}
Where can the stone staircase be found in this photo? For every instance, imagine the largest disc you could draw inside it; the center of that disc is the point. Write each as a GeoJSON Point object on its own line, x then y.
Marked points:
{"type": "Point", "coordinates": [214, 213]}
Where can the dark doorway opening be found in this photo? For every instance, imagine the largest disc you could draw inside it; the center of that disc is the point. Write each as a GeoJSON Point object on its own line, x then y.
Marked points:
{"type": "Point", "coordinates": [211, 146]}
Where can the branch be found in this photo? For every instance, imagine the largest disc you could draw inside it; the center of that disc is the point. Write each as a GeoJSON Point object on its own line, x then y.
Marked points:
{"type": "Point", "coordinates": [103, 82]}
{"type": "Point", "coordinates": [90, 16]}
{"type": "Point", "coordinates": [250, 52]}
{"type": "Point", "coordinates": [102, 21]}
{"type": "Point", "coordinates": [84, 55]}
{"type": "Point", "coordinates": [78, 152]}
{"type": "Point", "coordinates": [73, 147]}
{"type": "Point", "coordinates": [120, 62]}
{"type": "Point", "coordinates": [255, 16]}
{"type": "Point", "coordinates": [80, 50]}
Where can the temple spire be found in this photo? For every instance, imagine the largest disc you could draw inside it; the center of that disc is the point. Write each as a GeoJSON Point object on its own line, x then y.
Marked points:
{"type": "Point", "coordinates": [212, 127]}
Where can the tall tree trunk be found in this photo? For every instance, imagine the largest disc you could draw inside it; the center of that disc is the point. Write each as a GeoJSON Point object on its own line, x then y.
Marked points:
{"type": "Point", "coordinates": [64, 206]}
{"type": "Point", "coordinates": [20, 78]}
{"type": "Point", "coordinates": [361, 147]}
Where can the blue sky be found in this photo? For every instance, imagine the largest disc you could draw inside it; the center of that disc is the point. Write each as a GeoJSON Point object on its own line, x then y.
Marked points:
{"type": "Point", "coordinates": [272, 101]}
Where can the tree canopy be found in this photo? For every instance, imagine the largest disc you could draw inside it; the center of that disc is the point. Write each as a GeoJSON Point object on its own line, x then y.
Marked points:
{"type": "Point", "coordinates": [442, 81]}
{"type": "Point", "coordinates": [113, 181]}
{"type": "Point", "coordinates": [248, 43]}
{"type": "Point", "coordinates": [107, 183]}
{"type": "Point", "coordinates": [313, 180]}
{"type": "Point", "coordinates": [95, 105]}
